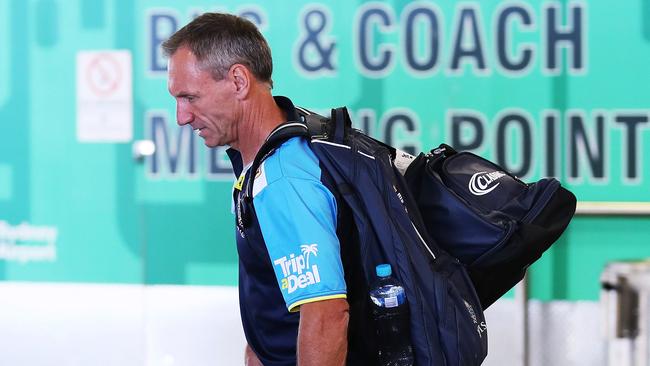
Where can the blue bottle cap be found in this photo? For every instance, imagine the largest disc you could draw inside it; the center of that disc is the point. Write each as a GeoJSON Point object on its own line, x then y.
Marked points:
{"type": "Point", "coordinates": [383, 270]}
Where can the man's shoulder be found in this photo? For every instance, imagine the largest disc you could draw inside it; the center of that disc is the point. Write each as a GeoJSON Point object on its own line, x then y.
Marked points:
{"type": "Point", "coordinates": [292, 160]}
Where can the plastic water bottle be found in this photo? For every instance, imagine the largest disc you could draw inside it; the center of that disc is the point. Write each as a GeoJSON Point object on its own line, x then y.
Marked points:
{"type": "Point", "coordinates": [391, 318]}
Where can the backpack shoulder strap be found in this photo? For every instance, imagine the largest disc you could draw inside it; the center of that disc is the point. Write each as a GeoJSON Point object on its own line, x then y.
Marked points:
{"type": "Point", "coordinates": [336, 128]}
{"type": "Point", "coordinates": [276, 138]}
{"type": "Point", "coordinates": [318, 126]}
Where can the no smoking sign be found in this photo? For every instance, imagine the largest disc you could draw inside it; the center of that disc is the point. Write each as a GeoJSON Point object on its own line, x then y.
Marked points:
{"type": "Point", "coordinates": [104, 74]}
{"type": "Point", "coordinates": [104, 96]}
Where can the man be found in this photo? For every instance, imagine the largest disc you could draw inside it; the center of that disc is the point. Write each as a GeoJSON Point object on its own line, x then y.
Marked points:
{"type": "Point", "coordinates": [294, 300]}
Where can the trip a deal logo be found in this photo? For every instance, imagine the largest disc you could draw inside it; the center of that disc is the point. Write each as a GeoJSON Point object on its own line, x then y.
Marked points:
{"type": "Point", "coordinates": [296, 269]}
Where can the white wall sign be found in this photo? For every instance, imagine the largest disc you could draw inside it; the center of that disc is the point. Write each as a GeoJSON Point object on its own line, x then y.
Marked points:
{"type": "Point", "coordinates": [104, 96]}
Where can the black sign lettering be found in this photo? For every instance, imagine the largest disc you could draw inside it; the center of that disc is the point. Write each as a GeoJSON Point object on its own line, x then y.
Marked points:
{"type": "Point", "coordinates": [570, 38]}
{"type": "Point", "coordinates": [466, 121]}
{"type": "Point", "coordinates": [472, 49]}
{"type": "Point", "coordinates": [370, 62]}
{"type": "Point", "coordinates": [504, 39]}
{"type": "Point", "coordinates": [161, 27]}
{"type": "Point", "coordinates": [594, 151]}
{"type": "Point", "coordinates": [432, 43]}
{"type": "Point", "coordinates": [631, 122]}
{"type": "Point", "coordinates": [389, 126]}
{"type": "Point", "coordinates": [526, 143]}
{"type": "Point", "coordinates": [170, 146]}
{"type": "Point", "coordinates": [550, 131]}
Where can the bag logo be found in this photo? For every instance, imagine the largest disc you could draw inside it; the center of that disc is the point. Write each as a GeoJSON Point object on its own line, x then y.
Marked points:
{"type": "Point", "coordinates": [482, 182]}
{"type": "Point", "coordinates": [480, 327]}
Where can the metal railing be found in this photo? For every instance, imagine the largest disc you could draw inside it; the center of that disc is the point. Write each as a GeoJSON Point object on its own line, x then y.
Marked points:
{"type": "Point", "coordinates": [591, 208]}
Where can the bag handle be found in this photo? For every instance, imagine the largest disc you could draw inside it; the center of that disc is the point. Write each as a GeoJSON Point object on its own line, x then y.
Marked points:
{"type": "Point", "coordinates": [341, 122]}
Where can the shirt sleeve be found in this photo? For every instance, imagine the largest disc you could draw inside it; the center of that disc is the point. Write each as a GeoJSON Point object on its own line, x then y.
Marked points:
{"type": "Point", "coordinates": [297, 218]}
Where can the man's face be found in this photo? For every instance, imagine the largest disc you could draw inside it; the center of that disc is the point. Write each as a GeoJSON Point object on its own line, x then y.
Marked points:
{"type": "Point", "coordinates": [203, 103]}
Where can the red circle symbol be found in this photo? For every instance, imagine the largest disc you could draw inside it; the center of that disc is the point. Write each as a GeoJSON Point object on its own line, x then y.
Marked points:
{"type": "Point", "coordinates": [104, 75]}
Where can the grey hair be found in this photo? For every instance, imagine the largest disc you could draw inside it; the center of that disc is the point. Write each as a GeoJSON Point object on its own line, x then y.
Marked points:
{"type": "Point", "coordinates": [219, 41]}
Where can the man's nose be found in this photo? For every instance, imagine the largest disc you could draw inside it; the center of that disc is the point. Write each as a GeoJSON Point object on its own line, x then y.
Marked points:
{"type": "Point", "coordinates": [183, 115]}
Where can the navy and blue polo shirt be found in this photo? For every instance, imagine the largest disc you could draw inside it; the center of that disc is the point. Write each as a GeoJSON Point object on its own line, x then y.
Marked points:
{"type": "Point", "coordinates": [290, 254]}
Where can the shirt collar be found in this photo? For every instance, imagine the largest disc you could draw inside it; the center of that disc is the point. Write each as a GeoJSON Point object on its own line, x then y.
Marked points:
{"type": "Point", "coordinates": [292, 115]}
{"type": "Point", "coordinates": [287, 107]}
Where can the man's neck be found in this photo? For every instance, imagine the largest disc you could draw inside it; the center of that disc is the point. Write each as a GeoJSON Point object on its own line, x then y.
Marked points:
{"type": "Point", "coordinates": [259, 119]}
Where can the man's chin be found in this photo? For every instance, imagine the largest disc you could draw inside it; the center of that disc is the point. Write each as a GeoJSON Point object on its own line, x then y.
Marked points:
{"type": "Point", "coordinates": [211, 143]}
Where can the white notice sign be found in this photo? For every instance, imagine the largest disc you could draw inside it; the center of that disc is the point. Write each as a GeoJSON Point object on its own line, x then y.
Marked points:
{"type": "Point", "coordinates": [104, 96]}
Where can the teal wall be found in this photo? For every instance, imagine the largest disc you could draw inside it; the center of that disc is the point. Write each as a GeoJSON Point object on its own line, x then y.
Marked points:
{"type": "Point", "coordinates": [582, 117]}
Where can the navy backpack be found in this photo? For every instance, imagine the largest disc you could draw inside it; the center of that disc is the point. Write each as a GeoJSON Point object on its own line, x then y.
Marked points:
{"type": "Point", "coordinates": [477, 211]}
{"type": "Point", "coordinates": [446, 320]}
{"type": "Point", "coordinates": [487, 218]}
{"type": "Point", "coordinates": [439, 241]}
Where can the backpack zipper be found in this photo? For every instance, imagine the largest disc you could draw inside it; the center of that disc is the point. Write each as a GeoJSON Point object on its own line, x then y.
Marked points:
{"type": "Point", "coordinates": [401, 199]}
{"type": "Point", "coordinates": [545, 197]}
{"type": "Point", "coordinates": [422, 240]}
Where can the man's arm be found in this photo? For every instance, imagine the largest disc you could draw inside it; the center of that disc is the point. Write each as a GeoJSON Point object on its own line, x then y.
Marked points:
{"type": "Point", "coordinates": [323, 333]}
{"type": "Point", "coordinates": [250, 358]}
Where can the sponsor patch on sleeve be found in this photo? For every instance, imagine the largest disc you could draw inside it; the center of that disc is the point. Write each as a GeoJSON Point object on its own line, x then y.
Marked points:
{"type": "Point", "coordinates": [303, 278]}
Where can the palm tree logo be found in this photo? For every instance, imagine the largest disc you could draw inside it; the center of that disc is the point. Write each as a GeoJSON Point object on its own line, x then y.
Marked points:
{"type": "Point", "coordinates": [308, 249]}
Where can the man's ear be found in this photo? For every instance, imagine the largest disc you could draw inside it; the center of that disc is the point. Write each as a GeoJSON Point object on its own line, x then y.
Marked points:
{"type": "Point", "coordinates": [241, 78]}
